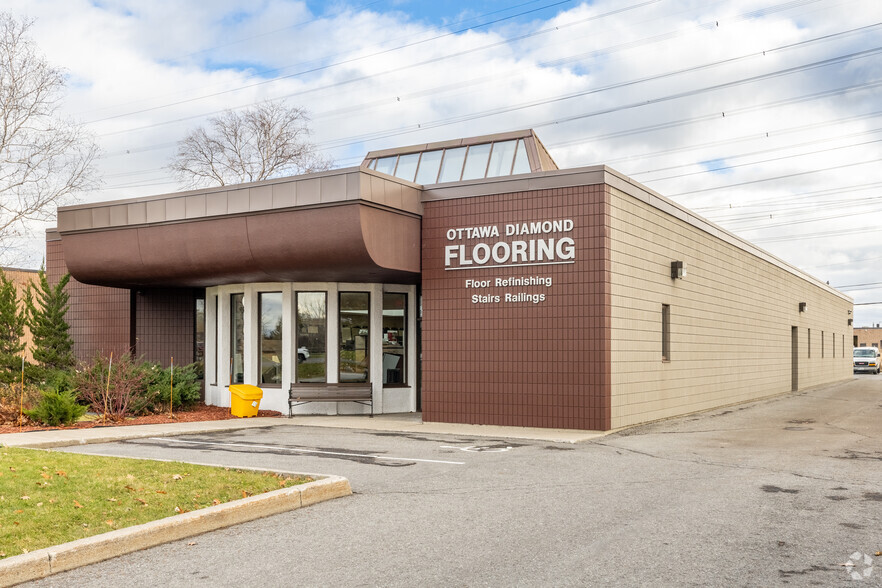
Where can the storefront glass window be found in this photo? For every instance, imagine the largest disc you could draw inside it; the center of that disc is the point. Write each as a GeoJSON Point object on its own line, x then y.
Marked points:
{"type": "Point", "coordinates": [269, 306]}
{"type": "Point", "coordinates": [451, 168]}
{"type": "Point", "coordinates": [354, 340]}
{"type": "Point", "coordinates": [199, 339]}
{"type": "Point", "coordinates": [237, 338]}
{"type": "Point", "coordinates": [501, 158]}
{"type": "Point", "coordinates": [476, 164]}
{"type": "Point", "coordinates": [312, 333]}
{"type": "Point", "coordinates": [394, 338]}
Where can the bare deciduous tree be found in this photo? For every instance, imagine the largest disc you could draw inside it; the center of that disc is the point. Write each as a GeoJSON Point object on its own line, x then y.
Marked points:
{"type": "Point", "coordinates": [44, 158]}
{"type": "Point", "coordinates": [270, 139]}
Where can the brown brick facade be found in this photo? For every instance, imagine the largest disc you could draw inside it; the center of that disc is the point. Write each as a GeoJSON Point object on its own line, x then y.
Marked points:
{"type": "Point", "coordinates": [164, 325]}
{"type": "Point", "coordinates": [101, 318]}
{"type": "Point", "coordinates": [544, 364]}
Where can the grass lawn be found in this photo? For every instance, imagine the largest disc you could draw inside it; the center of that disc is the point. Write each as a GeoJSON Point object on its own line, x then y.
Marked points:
{"type": "Point", "coordinates": [50, 497]}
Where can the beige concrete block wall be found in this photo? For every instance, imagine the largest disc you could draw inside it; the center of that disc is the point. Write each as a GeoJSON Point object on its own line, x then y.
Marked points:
{"type": "Point", "coordinates": [730, 320]}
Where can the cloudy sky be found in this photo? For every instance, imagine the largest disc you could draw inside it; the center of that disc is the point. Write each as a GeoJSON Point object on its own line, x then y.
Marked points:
{"type": "Point", "coordinates": [764, 116]}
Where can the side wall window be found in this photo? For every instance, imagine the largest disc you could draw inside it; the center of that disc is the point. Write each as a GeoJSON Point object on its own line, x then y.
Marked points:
{"type": "Point", "coordinates": [666, 332]}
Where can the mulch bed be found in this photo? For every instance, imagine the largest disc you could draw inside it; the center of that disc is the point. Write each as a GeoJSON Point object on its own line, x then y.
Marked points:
{"type": "Point", "coordinates": [200, 412]}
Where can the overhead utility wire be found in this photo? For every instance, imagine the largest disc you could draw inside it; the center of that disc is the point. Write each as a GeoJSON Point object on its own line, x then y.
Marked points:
{"type": "Point", "coordinates": [304, 23]}
{"type": "Point", "coordinates": [743, 138]}
{"type": "Point", "coordinates": [666, 36]}
{"type": "Point", "coordinates": [352, 80]}
{"type": "Point", "coordinates": [618, 108]}
{"type": "Point", "coordinates": [749, 163]}
{"type": "Point", "coordinates": [793, 175]}
{"type": "Point", "coordinates": [361, 58]}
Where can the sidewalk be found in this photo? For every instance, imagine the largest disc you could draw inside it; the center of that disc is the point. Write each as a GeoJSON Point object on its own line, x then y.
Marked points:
{"type": "Point", "coordinates": [401, 423]}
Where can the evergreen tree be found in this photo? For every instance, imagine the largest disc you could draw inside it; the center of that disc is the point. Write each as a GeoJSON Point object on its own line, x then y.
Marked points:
{"type": "Point", "coordinates": [46, 308]}
{"type": "Point", "coordinates": [12, 323]}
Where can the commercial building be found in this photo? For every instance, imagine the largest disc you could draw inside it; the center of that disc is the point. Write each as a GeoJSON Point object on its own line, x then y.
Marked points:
{"type": "Point", "coordinates": [868, 337]}
{"type": "Point", "coordinates": [470, 279]}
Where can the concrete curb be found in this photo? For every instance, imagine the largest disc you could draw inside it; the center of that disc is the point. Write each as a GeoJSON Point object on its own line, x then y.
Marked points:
{"type": "Point", "coordinates": [52, 560]}
{"type": "Point", "coordinates": [67, 438]}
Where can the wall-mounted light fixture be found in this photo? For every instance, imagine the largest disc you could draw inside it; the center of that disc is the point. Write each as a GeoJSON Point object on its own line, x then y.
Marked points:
{"type": "Point", "coordinates": [678, 270]}
{"type": "Point", "coordinates": [802, 306]}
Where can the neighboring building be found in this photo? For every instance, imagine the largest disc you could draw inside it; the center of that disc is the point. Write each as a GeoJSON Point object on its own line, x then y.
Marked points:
{"type": "Point", "coordinates": [22, 278]}
{"type": "Point", "coordinates": [868, 337]}
{"type": "Point", "coordinates": [470, 279]}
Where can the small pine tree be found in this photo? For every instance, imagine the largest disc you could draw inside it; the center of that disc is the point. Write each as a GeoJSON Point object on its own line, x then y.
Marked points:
{"type": "Point", "coordinates": [12, 323]}
{"type": "Point", "coordinates": [46, 307]}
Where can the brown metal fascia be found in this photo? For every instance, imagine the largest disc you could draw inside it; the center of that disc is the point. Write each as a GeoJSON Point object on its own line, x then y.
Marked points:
{"type": "Point", "coordinates": [213, 189]}
{"type": "Point", "coordinates": [183, 221]}
{"type": "Point", "coordinates": [566, 178]}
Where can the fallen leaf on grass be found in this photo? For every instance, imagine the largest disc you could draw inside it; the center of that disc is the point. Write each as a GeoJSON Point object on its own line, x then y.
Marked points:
{"type": "Point", "coordinates": [215, 501]}
{"type": "Point", "coordinates": [109, 522]}
{"type": "Point", "coordinates": [129, 488]}
{"type": "Point", "coordinates": [111, 500]}
{"type": "Point", "coordinates": [39, 504]}
{"type": "Point", "coordinates": [77, 504]}
{"type": "Point", "coordinates": [60, 473]}
{"type": "Point", "coordinates": [177, 477]}
{"type": "Point", "coordinates": [178, 509]}
{"type": "Point", "coordinates": [245, 494]}
{"type": "Point", "coordinates": [45, 475]}
{"type": "Point", "coordinates": [144, 502]}
{"type": "Point", "coordinates": [25, 497]}
{"type": "Point", "coordinates": [161, 492]}
{"type": "Point", "coordinates": [282, 483]}
{"type": "Point", "coordinates": [18, 511]}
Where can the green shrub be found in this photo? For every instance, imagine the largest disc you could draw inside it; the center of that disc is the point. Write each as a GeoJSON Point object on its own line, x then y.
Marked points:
{"type": "Point", "coordinates": [11, 402]}
{"type": "Point", "coordinates": [57, 407]}
{"type": "Point", "coordinates": [156, 396]}
{"type": "Point", "coordinates": [127, 385]}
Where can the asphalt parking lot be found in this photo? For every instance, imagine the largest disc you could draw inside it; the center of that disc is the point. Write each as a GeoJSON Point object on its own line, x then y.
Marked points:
{"type": "Point", "coordinates": [778, 492]}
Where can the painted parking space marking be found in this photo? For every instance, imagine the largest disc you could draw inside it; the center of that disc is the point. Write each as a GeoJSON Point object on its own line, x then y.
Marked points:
{"type": "Point", "coordinates": [478, 449]}
{"type": "Point", "coordinates": [304, 450]}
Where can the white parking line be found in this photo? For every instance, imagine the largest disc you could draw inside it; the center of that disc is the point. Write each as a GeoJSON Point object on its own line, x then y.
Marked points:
{"type": "Point", "coordinates": [298, 450]}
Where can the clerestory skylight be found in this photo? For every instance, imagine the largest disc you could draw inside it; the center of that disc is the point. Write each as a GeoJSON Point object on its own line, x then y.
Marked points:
{"type": "Point", "coordinates": [437, 166]}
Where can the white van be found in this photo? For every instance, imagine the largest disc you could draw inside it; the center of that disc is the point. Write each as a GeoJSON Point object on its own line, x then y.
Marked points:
{"type": "Point", "coordinates": [866, 359]}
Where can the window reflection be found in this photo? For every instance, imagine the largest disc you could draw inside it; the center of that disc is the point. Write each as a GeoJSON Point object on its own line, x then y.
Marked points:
{"type": "Point", "coordinates": [501, 158]}
{"type": "Point", "coordinates": [476, 162]}
{"type": "Point", "coordinates": [354, 342]}
{"type": "Point", "coordinates": [312, 331]}
{"type": "Point", "coordinates": [270, 308]}
{"type": "Point", "coordinates": [521, 163]}
{"type": "Point", "coordinates": [394, 338]}
{"type": "Point", "coordinates": [407, 165]}
{"type": "Point", "coordinates": [451, 167]}
{"type": "Point", "coordinates": [237, 338]}
{"type": "Point", "coordinates": [386, 165]}
{"type": "Point", "coordinates": [430, 163]}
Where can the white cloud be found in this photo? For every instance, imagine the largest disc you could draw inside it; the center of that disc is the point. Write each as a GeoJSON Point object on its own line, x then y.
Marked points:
{"type": "Point", "coordinates": [147, 72]}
